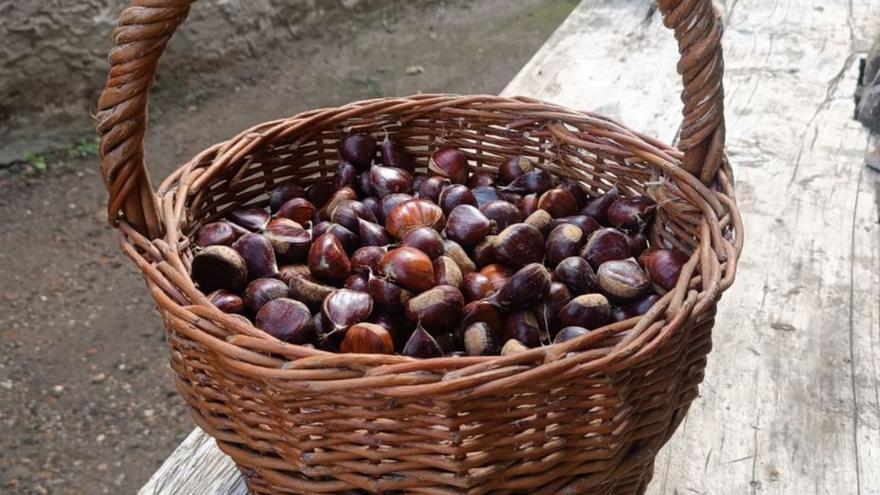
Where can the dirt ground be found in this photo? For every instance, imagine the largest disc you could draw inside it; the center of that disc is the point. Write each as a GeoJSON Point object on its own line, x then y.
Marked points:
{"type": "Point", "coordinates": [86, 399]}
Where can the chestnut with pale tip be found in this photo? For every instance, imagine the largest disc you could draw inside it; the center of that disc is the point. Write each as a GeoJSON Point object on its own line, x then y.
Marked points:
{"type": "Point", "coordinates": [446, 272]}
{"type": "Point", "coordinates": [413, 214]}
{"type": "Point", "coordinates": [590, 311]}
{"type": "Point", "coordinates": [523, 326]}
{"type": "Point", "coordinates": [215, 234]}
{"type": "Point", "coordinates": [514, 168]}
{"type": "Point", "coordinates": [367, 338]}
{"type": "Point", "coordinates": [540, 220]}
{"type": "Point", "coordinates": [586, 223]}
{"type": "Point", "coordinates": [605, 245]}
{"type": "Point", "coordinates": [437, 310]}
{"type": "Point", "coordinates": [598, 207]}
{"type": "Point", "coordinates": [286, 320]}
{"type": "Point", "coordinates": [284, 193]}
{"type": "Point", "coordinates": [426, 240]}
{"type": "Point", "coordinates": [289, 240]}
{"type": "Point", "coordinates": [346, 193]}
{"type": "Point", "coordinates": [479, 340]}
{"type": "Point", "coordinates": [663, 267]}
{"type": "Point", "coordinates": [226, 301]}
{"type": "Point", "coordinates": [344, 307]}
{"type": "Point", "coordinates": [457, 253]}
{"type": "Point", "coordinates": [527, 287]}
{"type": "Point", "coordinates": [455, 195]}
{"type": "Point", "coordinates": [328, 260]}
{"type": "Point", "coordinates": [484, 252]}
{"type": "Point", "coordinates": [258, 254]}
{"type": "Point", "coordinates": [422, 345]}
{"type": "Point", "coordinates": [261, 291]}
{"type": "Point", "coordinates": [449, 163]}
{"type": "Point", "coordinates": [253, 218]}
{"type": "Point", "coordinates": [513, 346]}
{"type": "Point", "coordinates": [358, 149]}
{"type": "Point", "coordinates": [482, 311]}
{"type": "Point", "coordinates": [562, 242]}
{"type": "Point", "coordinates": [623, 279]}
{"type": "Point", "coordinates": [467, 225]}
{"type": "Point", "coordinates": [631, 214]}
{"type": "Point", "coordinates": [577, 274]}
{"type": "Point", "coordinates": [409, 268]}
{"type": "Point", "coordinates": [476, 286]}
{"type": "Point", "coordinates": [519, 245]}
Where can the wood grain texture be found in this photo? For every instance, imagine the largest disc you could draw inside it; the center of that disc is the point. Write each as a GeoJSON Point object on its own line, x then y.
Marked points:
{"type": "Point", "coordinates": [791, 403]}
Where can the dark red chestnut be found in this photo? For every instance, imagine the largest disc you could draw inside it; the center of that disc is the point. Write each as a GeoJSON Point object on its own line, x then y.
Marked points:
{"type": "Point", "coordinates": [457, 253]}
{"type": "Point", "coordinates": [479, 179]}
{"type": "Point", "coordinates": [577, 275]}
{"type": "Point", "coordinates": [663, 266]}
{"type": "Point", "coordinates": [637, 244]}
{"type": "Point", "coordinates": [258, 254]}
{"type": "Point", "coordinates": [577, 191]}
{"type": "Point", "coordinates": [426, 240]}
{"type": "Point", "coordinates": [388, 296]}
{"type": "Point", "coordinates": [346, 175]}
{"type": "Point", "coordinates": [287, 320]}
{"type": "Point", "coordinates": [328, 260]}
{"type": "Point", "coordinates": [631, 214]}
{"type": "Point", "coordinates": [504, 214]}
{"type": "Point", "coordinates": [226, 301]}
{"type": "Point", "coordinates": [564, 241]}
{"type": "Point", "coordinates": [344, 307]}
{"type": "Point", "coordinates": [413, 214]}
{"type": "Point", "coordinates": [528, 204]}
{"type": "Point", "coordinates": [299, 210]}
{"type": "Point", "coordinates": [262, 290]}
{"type": "Point", "coordinates": [605, 245]}
{"type": "Point", "coordinates": [497, 274]}
{"type": "Point", "coordinates": [287, 272]}
{"type": "Point", "coordinates": [437, 310]}
{"type": "Point", "coordinates": [446, 272]}
{"type": "Point", "coordinates": [417, 182]}
{"type": "Point", "coordinates": [635, 308]}
{"type": "Point", "coordinates": [484, 252]}
{"type": "Point", "coordinates": [590, 311]}
{"type": "Point", "coordinates": [356, 282]}
{"type": "Point", "coordinates": [215, 234]}
{"type": "Point", "coordinates": [373, 234]}
{"type": "Point", "coordinates": [537, 181]}
{"type": "Point", "coordinates": [485, 194]}
{"type": "Point", "coordinates": [431, 187]}
{"type": "Point", "coordinates": [519, 245]}
{"type": "Point", "coordinates": [349, 214]}
{"type": "Point", "coordinates": [449, 163]}
{"type": "Point", "coordinates": [570, 333]}
{"type": "Point", "coordinates": [467, 225]}
{"type": "Point", "coordinates": [623, 279]}
{"type": "Point", "coordinates": [359, 150]}
{"type": "Point", "coordinates": [319, 193]}
{"type": "Point", "coordinates": [482, 311]}
{"type": "Point", "coordinates": [548, 311]}
{"type": "Point", "coordinates": [409, 268]}
{"type": "Point", "coordinates": [523, 326]}
{"type": "Point", "coordinates": [284, 193]}
{"type": "Point", "coordinates": [598, 208]}
{"type": "Point", "coordinates": [366, 259]}
{"type": "Point", "coordinates": [587, 224]}
{"type": "Point", "coordinates": [479, 340]}
{"type": "Point", "coordinates": [455, 195]}
{"type": "Point", "coordinates": [527, 287]}
{"type": "Point", "coordinates": [422, 345]}
{"type": "Point", "coordinates": [338, 197]}
{"type": "Point", "coordinates": [252, 218]}
{"type": "Point", "coordinates": [289, 240]}
{"type": "Point", "coordinates": [388, 203]}
{"type": "Point", "coordinates": [389, 180]}
{"type": "Point", "coordinates": [396, 156]}
{"type": "Point", "coordinates": [514, 168]}
{"type": "Point", "coordinates": [367, 338]}
{"type": "Point", "coordinates": [558, 202]}
{"type": "Point", "coordinates": [374, 204]}
{"type": "Point", "coordinates": [476, 286]}
{"type": "Point", "coordinates": [362, 186]}
{"type": "Point", "coordinates": [350, 241]}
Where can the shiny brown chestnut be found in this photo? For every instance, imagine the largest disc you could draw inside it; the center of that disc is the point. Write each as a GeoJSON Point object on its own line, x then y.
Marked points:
{"type": "Point", "coordinates": [409, 268]}
{"type": "Point", "coordinates": [476, 286]}
{"type": "Point", "coordinates": [258, 254]}
{"type": "Point", "coordinates": [528, 204]}
{"type": "Point", "coordinates": [373, 204]}
{"type": "Point", "coordinates": [287, 320]}
{"type": "Point", "coordinates": [548, 311]}
{"type": "Point", "coordinates": [504, 214]}
{"type": "Point", "coordinates": [479, 340]}
{"type": "Point", "coordinates": [486, 194]}
{"type": "Point", "coordinates": [497, 274]}
{"type": "Point", "coordinates": [252, 218]}
{"type": "Point", "coordinates": [289, 240]}
{"type": "Point", "coordinates": [449, 163]}
{"type": "Point", "coordinates": [359, 150]}
{"type": "Point", "coordinates": [328, 260]}
{"type": "Point", "coordinates": [396, 156]}
{"type": "Point", "coordinates": [587, 224]}
{"type": "Point", "coordinates": [362, 186]}
{"type": "Point", "coordinates": [356, 282]}
{"type": "Point", "coordinates": [262, 290]}
{"type": "Point", "coordinates": [226, 301]}
{"type": "Point", "coordinates": [537, 181]}
{"type": "Point", "coordinates": [345, 175]}
{"type": "Point", "coordinates": [367, 338]}
{"type": "Point", "coordinates": [422, 345]}
{"type": "Point", "coordinates": [431, 187]}
{"type": "Point", "coordinates": [634, 308]}
{"type": "Point", "coordinates": [605, 245]}
{"type": "Point", "coordinates": [373, 234]}
{"type": "Point", "coordinates": [426, 240]}
{"type": "Point", "coordinates": [482, 311]}
{"type": "Point", "coordinates": [319, 193]}
{"type": "Point", "coordinates": [558, 202]}
{"type": "Point", "coordinates": [570, 333]}
{"type": "Point", "coordinates": [389, 180]}
{"type": "Point", "coordinates": [564, 241]}
{"type": "Point", "coordinates": [467, 225]}
{"type": "Point", "coordinates": [479, 179]}
{"type": "Point", "coordinates": [527, 287]}
{"type": "Point", "coordinates": [350, 241]}
{"type": "Point", "coordinates": [284, 193]}
{"type": "Point", "coordinates": [455, 195]}
{"type": "Point", "coordinates": [303, 287]}
{"type": "Point", "coordinates": [576, 189]}
{"type": "Point", "coordinates": [446, 272]}
{"type": "Point", "coordinates": [638, 243]}
{"type": "Point", "coordinates": [338, 197]}
{"type": "Point", "coordinates": [366, 259]}
{"type": "Point", "coordinates": [215, 234]}
{"type": "Point", "coordinates": [631, 214]}
{"type": "Point", "coordinates": [299, 210]}
{"type": "Point", "coordinates": [388, 203]}
{"type": "Point", "coordinates": [598, 207]}
{"type": "Point", "coordinates": [523, 326]}
{"type": "Point", "coordinates": [590, 311]}
{"type": "Point", "coordinates": [344, 308]}
{"type": "Point", "coordinates": [413, 214]}
{"type": "Point", "coordinates": [387, 295]}
{"type": "Point", "coordinates": [663, 267]}
{"type": "Point", "coordinates": [577, 274]}
{"type": "Point", "coordinates": [349, 213]}
{"type": "Point", "coordinates": [623, 279]}
{"type": "Point", "coordinates": [514, 168]}
{"type": "Point", "coordinates": [417, 182]}
{"type": "Point", "coordinates": [457, 253]}
{"type": "Point", "coordinates": [484, 252]}
{"type": "Point", "coordinates": [519, 245]}
{"type": "Point", "coordinates": [437, 310]}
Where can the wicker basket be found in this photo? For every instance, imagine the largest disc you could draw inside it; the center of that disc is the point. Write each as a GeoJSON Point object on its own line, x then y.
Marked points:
{"type": "Point", "coordinates": [586, 416]}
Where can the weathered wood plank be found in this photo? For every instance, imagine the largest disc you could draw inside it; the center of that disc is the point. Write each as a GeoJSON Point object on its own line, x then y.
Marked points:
{"type": "Point", "coordinates": [791, 400]}
{"type": "Point", "coordinates": [196, 467]}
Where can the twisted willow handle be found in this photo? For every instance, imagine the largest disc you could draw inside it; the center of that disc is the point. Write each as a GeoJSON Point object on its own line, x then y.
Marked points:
{"type": "Point", "coordinates": [145, 28]}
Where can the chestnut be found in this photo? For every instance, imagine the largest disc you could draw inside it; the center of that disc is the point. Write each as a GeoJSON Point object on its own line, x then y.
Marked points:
{"type": "Point", "coordinates": [422, 345]}
{"type": "Point", "coordinates": [497, 274]}
{"type": "Point", "coordinates": [570, 333]}
{"type": "Point", "coordinates": [350, 241]}
{"type": "Point", "coordinates": [528, 204]}
{"type": "Point", "coordinates": [590, 311]}
{"type": "Point", "coordinates": [449, 343]}
{"type": "Point", "coordinates": [663, 267]}
{"type": "Point", "coordinates": [513, 169]}
{"type": "Point", "coordinates": [634, 308]}
{"type": "Point", "coordinates": [226, 301]}
{"type": "Point", "coordinates": [262, 290]}
{"type": "Point", "coordinates": [344, 307]}
{"type": "Point", "coordinates": [417, 182]}
{"type": "Point", "coordinates": [476, 286]}
{"type": "Point", "coordinates": [431, 187]}
{"type": "Point", "coordinates": [327, 259]}
{"type": "Point", "coordinates": [287, 272]}
{"type": "Point", "coordinates": [483, 311]}
{"type": "Point", "coordinates": [366, 259]}
{"type": "Point", "coordinates": [362, 185]}
{"type": "Point", "coordinates": [479, 340]}
{"type": "Point", "coordinates": [258, 254]}
{"type": "Point", "coordinates": [396, 156]}
{"type": "Point", "coordinates": [389, 180]}
{"type": "Point", "coordinates": [455, 195]}
{"type": "Point", "coordinates": [215, 234]}
{"type": "Point", "coordinates": [638, 243]}
{"type": "Point", "coordinates": [457, 253]}
{"type": "Point", "coordinates": [299, 210]}
{"type": "Point", "coordinates": [367, 338]}
{"type": "Point", "coordinates": [320, 192]}
{"type": "Point", "coordinates": [587, 224]}
{"type": "Point", "coordinates": [519, 245]}
{"type": "Point", "coordinates": [446, 272]}
{"type": "Point", "coordinates": [374, 205]}
{"type": "Point", "coordinates": [479, 179]}
{"type": "Point", "coordinates": [513, 346]}
{"type": "Point", "coordinates": [598, 208]}
{"type": "Point", "coordinates": [287, 320]}
{"type": "Point", "coordinates": [484, 252]}
{"type": "Point", "coordinates": [558, 202]}
{"type": "Point", "coordinates": [359, 150]}
{"type": "Point", "coordinates": [409, 268]}
{"type": "Point", "coordinates": [339, 196]}
{"type": "Point", "coordinates": [388, 203]}
{"type": "Point", "coordinates": [252, 218]}
{"type": "Point", "coordinates": [537, 181]}
{"type": "Point", "coordinates": [372, 234]}
{"type": "Point", "coordinates": [631, 214]}
{"type": "Point", "coordinates": [623, 279]}
{"type": "Point", "coordinates": [540, 220]}
{"type": "Point", "coordinates": [449, 163]}
{"type": "Point", "coordinates": [577, 275]}
{"type": "Point", "coordinates": [525, 288]}
{"type": "Point", "coordinates": [523, 326]}
{"type": "Point", "coordinates": [577, 191]}
{"type": "Point", "coordinates": [605, 245]}
{"type": "Point", "coordinates": [437, 310]}
{"type": "Point", "coordinates": [485, 194]}
{"type": "Point", "coordinates": [548, 311]}
{"type": "Point", "coordinates": [303, 287]}
{"type": "Point", "coordinates": [349, 213]}
{"type": "Point", "coordinates": [356, 282]}
{"type": "Point", "coordinates": [426, 240]}
{"type": "Point", "coordinates": [346, 175]}
{"type": "Point", "coordinates": [387, 295]}
{"type": "Point", "coordinates": [564, 241]}
{"type": "Point", "coordinates": [413, 214]}
{"type": "Point", "coordinates": [467, 225]}
{"type": "Point", "coordinates": [504, 214]}
{"type": "Point", "coordinates": [284, 193]}
{"type": "Point", "coordinates": [385, 321]}
{"type": "Point", "coordinates": [289, 240]}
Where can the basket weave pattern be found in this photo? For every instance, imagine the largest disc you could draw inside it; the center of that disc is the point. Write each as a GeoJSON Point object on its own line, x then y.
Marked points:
{"type": "Point", "coordinates": [586, 416]}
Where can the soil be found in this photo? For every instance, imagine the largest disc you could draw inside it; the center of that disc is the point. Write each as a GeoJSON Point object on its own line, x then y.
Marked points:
{"type": "Point", "coordinates": [87, 403]}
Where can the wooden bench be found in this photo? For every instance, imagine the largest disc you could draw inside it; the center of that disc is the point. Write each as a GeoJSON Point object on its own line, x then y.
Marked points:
{"type": "Point", "coordinates": [790, 404]}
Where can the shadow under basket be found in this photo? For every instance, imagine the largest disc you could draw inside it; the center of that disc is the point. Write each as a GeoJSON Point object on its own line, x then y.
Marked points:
{"type": "Point", "coordinates": [585, 416]}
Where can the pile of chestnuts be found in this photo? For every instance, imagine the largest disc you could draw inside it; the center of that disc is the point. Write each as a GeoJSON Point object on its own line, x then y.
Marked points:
{"type": "Point", "coordinates": [450, 262]}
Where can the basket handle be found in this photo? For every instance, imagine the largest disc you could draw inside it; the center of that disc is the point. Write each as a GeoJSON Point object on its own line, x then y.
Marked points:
{"type": "Point", "coordinates": [144, 29]}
